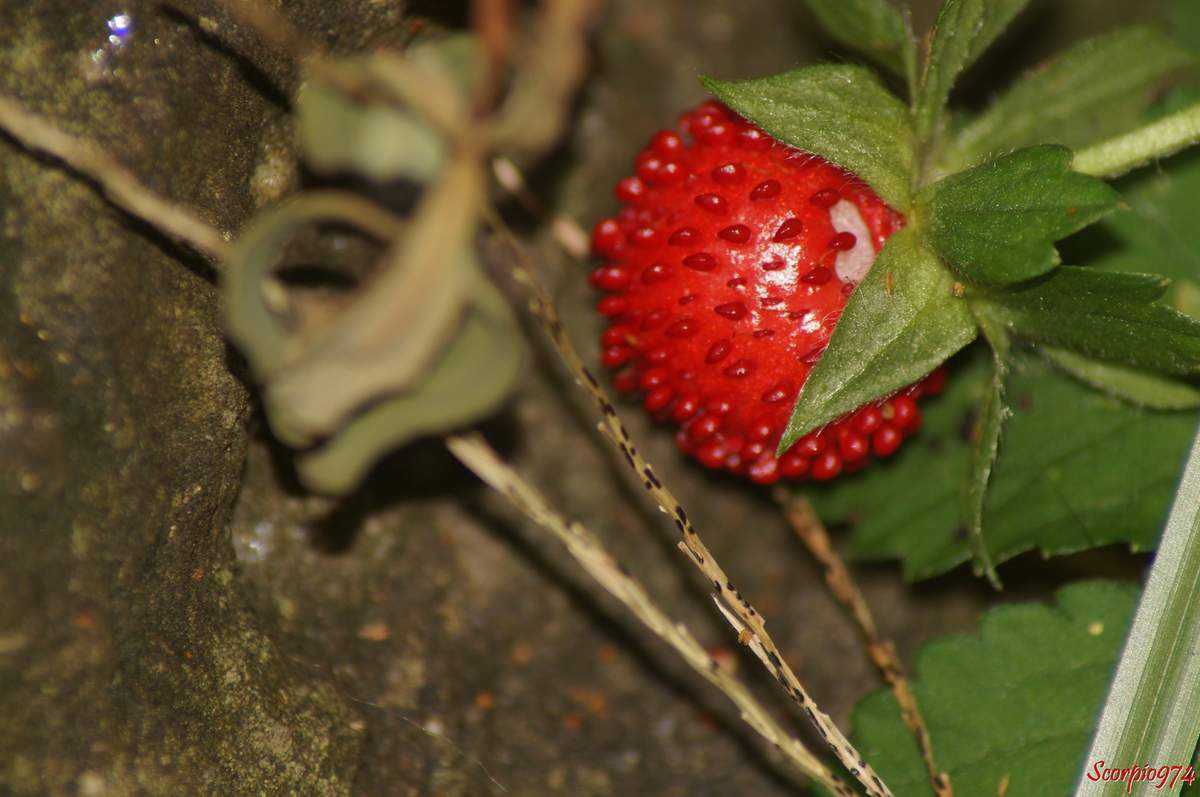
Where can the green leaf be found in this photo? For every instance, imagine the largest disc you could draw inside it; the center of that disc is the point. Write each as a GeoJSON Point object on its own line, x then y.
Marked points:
{"type": "Point", "coordinates": [1077, 470]}
{"type": "Point", "coordinates": [1110, 316]}
{"type": "Point", "coordinates": [875, 28]}
{"type": "Point", "coordinates": [1143, 388]}
{"type": "Point", "coordinates": [1097, 89]}
{"type": "Point", "coordinates": [964, 29]}
{"type": "Point", "coordinates": [1015, 703]}
{"type": "Point", "coordinates": [842, 113]}
{"type": "Point", "coordinates": [475, 374]}
{"type": "Point", "coordinates": [996, 224]}
{"type": "Point", "coordinates": [901, 322]}
{"type": "Point", "coordinates": [340, 134]}
{"type": "Point", "coordinates": [1152, 713]}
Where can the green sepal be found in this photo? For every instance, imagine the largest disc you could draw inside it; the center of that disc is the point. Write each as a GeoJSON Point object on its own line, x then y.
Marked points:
{"type": "Point", "coordinates": [840, 112]}
{"type": "Point", "coordinates": [996, 224]}
{"type": "Point", "coordinates": [875, 28]}
{"type": "Point", "coordinates": [963, 31]}
{"type": "Point", "coordinates": [901, 322]}
{"type": "Point", "coordinates": [1111, 316]}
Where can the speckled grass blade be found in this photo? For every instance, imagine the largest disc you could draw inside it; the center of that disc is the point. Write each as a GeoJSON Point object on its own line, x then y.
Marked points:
{"type": "Point", "coordinates": [1152, 715]}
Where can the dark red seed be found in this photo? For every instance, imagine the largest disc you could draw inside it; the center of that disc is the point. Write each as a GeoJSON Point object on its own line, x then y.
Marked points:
{"type": "Point", "coordinates": [818, 276]}
{"type": "Point", "coordinates": [825, 198]}
{"type": "Point", "coordinates": [733, 310]}
{"type": "Point", "coordinates": [683, 328]}
{"type": "Point", "coordinates": [713, 203]}
{"type": "Point", "coordinates": [728, 174]}
{"type": "Point", "coordinates": [701, 261]}
{"type": "Point", "coordinates": [735, 233]}
{"type": "Point", "coordinates": [788, 230]}
{"type": "Point", "coordinates": [718, 351]}
{"type": "Point", "coordinates": [813, 355]}
{"type": "Point", "coordinates": [775, 264]}
{"type": "Point", "coordinates": [767, 189]}
{"type": "Point", "coordinates": [843, 241]}
{"type": "Point", "coordinates": [736, 282]}
{"type": "Point", "coordinates": [684, 236]}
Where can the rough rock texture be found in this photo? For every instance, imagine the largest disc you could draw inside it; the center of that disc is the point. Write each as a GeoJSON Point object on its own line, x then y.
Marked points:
{"type": "Point", "coordinates": [162, 632]}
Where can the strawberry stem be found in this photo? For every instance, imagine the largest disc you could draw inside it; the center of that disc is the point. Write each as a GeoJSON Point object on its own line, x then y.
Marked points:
{"type": "Point", "coordinates": [1123, 154]}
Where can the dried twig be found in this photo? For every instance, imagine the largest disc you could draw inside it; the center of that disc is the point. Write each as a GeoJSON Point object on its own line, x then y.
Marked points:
{"type": "Point", "coordinates": [812, 533]}
{"type": "Point", "coordinates": [481, 459]}
{"type": "Point", "coordinates": [120, 185]}
{"type": "Point", "coordinates": [749, 623]}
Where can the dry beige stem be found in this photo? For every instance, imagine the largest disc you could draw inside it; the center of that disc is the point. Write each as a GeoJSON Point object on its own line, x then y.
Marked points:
{"type": "Point", "coordinates": [120, 185]}
{"type": "Point", "coordinates": [751, 627]}
{"type": "Point", "coordinates": [812, 533]}
{"type": "Point", "coordinates": [482, 460]}
{"type": "Point", "coordinates": [553, 63]}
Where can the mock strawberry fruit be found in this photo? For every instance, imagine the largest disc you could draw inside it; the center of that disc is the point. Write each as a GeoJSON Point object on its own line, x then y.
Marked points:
{"type": "Point", "coordinates": [726, 270]}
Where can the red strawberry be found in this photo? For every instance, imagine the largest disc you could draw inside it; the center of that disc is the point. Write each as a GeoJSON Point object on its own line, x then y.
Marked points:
{"type": "Point", "coordinates": [727, 269]}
